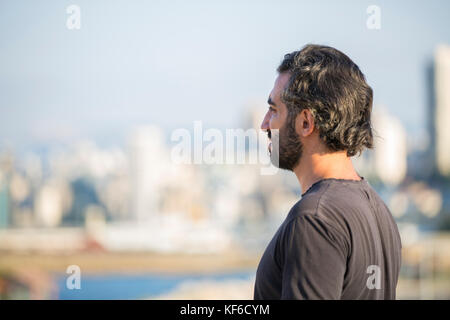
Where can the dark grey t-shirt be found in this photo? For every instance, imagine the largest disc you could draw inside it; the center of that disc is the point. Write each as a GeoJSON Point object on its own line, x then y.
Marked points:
{"type": "Point", "coordinates": [339, 241]}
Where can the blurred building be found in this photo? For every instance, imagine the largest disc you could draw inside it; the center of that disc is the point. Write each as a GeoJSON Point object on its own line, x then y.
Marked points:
{"type": "Point", "coordinates": [52, 201]}
{"type": "Point", "coordinates": [148, 160]}
{"type": "Point", "coordinates": [6, 167]}
{"type": "Point", "coordinates": [442, 113]}
{"type": "Point", "coordinates": [4, 202]}
{"type": "Point", "coordinates": [390, 150]}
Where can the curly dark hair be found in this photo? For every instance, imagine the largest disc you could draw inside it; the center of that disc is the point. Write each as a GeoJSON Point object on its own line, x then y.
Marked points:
{"type": "Point", "coordinates": [329, 84]}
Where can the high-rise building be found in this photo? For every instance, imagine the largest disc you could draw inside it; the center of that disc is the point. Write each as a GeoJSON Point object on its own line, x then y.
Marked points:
{"type": "Point", "coordinates": [390, 150]}
{"type": "Point", "coordinates": [4, 202]}
{"type": "Point", "coordinates": [442, 113]}
{"type": "Point", "coordinates": [148, 160]}
{"type": "Point", "coordinates": [6, 169]}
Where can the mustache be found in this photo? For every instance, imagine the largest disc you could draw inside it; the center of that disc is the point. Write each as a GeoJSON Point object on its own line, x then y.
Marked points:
{"type": "Point", "coordinates": [269, 134]}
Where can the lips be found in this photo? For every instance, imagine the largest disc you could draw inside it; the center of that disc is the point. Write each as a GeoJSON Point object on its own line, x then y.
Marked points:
{"type": "Point", "coordinates": [269, 147]}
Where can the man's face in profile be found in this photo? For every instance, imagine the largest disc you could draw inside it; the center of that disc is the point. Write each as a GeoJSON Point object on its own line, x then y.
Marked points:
{"type": "Point", "coordinates": [285, 147]}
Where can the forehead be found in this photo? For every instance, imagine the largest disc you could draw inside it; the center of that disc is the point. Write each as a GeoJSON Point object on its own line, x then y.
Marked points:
{"type": "Point", "coordinates": [280, 84]}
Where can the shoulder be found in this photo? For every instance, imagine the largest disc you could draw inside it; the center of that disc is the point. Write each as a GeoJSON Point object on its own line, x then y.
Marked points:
{"type": "Point", "coordinates": [321, 211]}
{"type": "Point", "coordinates": [332, 201]}
{"type": "Point", "coordinates": [311, 212]}
{"type": "Point", "coordinates": [310, 203]}
{"type": "Point", "coordinates": [307, 233]}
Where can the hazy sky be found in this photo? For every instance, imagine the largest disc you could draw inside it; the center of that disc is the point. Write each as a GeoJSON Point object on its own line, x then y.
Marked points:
{"type": "Point", "coordinates": [172, 62]}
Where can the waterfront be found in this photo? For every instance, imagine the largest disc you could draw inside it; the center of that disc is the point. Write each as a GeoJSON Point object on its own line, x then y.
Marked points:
{"type": "Point", "coordinates": [144, 275]}
{"type": "Point", "coordinates": [151, 285]}
{"type": "Point", "coordinates": [225, 276]}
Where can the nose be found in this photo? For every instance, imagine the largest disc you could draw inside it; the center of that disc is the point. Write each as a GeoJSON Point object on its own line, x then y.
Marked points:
{"type": "Point", "coordinates": [265, 123]}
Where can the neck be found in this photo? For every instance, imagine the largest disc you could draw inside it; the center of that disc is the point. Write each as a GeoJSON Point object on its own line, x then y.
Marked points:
{"type": "Point", "coordinates": [317, 166]}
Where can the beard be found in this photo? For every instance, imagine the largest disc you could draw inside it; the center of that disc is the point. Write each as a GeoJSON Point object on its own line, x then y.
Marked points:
{"type": "Point", "coordinates": [287, 148]}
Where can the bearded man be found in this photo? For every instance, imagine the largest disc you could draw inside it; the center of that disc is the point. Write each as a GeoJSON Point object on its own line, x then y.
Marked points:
{"type": "Point", "coordinates": [339, 241]}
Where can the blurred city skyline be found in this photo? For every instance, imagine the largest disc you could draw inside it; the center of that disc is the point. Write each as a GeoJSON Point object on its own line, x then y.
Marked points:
{"type": "Point", "coordinates": [171, 63]}
{"type": "Point", "coordinates": [87, 168]}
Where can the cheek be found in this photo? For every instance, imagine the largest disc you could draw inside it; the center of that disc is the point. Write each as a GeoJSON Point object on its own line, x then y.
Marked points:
{"type": "Point", "coordinates": [276, 121]}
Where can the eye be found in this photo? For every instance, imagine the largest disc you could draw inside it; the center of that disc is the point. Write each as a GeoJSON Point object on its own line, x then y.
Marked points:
{"type": "Point", "coordinates": [272, 109]}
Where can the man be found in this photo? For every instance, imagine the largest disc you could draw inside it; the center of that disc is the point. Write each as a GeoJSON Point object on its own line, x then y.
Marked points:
{"type": "Point", "coordinates": [339, 241]}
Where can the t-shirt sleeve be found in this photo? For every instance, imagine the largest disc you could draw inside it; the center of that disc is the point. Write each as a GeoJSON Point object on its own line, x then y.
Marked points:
{"type": "Point", "coordinates": [314, 258]}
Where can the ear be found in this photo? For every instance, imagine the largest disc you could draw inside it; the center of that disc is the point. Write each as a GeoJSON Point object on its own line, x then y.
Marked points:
{"type": "Point", "coordinates": [304, 123]}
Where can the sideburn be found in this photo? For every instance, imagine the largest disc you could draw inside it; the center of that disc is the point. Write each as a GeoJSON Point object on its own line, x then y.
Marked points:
{"type": "Point", "coordinates": [291, 148]}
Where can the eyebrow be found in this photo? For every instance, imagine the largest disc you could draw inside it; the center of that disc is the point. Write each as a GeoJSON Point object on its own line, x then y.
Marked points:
{"type": "Point", "coordinates": [270, 102]}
